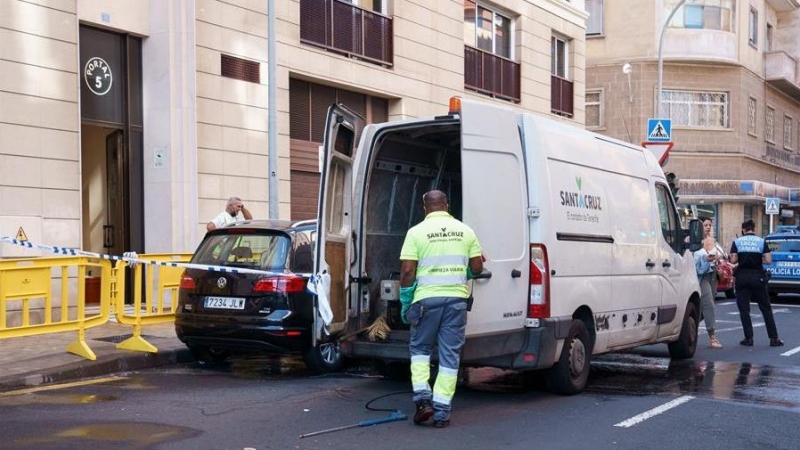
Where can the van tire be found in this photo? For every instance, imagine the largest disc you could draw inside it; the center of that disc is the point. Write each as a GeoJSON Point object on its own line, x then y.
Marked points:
{"type": "Point", "coordinates": [324, 358]}
{"type": "Point", "coordinates": [686, 344]}
{"type": "Point", "coordinates": [571, 372]}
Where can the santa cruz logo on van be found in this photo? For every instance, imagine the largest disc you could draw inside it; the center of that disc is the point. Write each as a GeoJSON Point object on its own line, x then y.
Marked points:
{"type": "Point", "coordinates": [579, 199]}
{"type": "Point", "coordinates": [444, 234]}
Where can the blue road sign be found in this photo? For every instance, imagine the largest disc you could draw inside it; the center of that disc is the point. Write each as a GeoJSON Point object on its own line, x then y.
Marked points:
{"type": "Point", "coordinates": [773, 205]}
{"type": "Point", "coordinates": [659, 130]}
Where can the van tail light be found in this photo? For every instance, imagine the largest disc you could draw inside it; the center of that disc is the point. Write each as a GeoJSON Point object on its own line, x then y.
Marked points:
{"type": "Point", "coordinates": [539, 295]}
{"type": "Point", "coordinates": [285, 285]}
{"type": "Point", "coordinates": [187, 282]}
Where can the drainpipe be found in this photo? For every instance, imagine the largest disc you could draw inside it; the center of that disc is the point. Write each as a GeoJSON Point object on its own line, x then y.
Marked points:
{"type": "Point", "coordinates": [272, 112]}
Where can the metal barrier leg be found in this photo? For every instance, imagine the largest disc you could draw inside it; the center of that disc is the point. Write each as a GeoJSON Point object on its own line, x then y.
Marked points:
{"type": "Point", "coordinates": [80, 348]}
{"type": "Point", "coordinates": [137, 342]}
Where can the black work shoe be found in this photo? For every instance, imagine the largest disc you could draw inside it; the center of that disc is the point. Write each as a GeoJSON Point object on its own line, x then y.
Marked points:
{"type": "Point", "coordinates": [441, 423]}
{"type": "Point", "coordinates": [775, 342]}
{"type": "Point", "coordinates": [424, 411]}
{"type": "Point", "coordinates": [747, 342]}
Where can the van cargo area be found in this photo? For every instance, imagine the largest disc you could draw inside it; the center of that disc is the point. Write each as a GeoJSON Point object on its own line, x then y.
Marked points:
{"type": "Point", "coordinates": [407, 162]}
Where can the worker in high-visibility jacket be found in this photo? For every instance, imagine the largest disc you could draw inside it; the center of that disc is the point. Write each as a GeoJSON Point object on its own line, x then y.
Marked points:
{"type": "Point", "coordinates": [438, 256]}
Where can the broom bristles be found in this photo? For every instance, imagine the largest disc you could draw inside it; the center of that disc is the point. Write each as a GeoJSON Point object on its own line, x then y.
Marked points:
{"type": "Point", "coordinates": [379, 330]}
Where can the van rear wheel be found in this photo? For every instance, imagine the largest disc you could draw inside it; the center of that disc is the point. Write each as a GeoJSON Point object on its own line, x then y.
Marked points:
{"type": "Point", "coordinates": [571, 372]}
{"type": "Point", "coordinates": [686, 344]}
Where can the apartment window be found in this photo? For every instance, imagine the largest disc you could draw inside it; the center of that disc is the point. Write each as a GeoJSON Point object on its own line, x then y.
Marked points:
{"type": "Point", "coordinates": [706, 14]}
{"type": "Point", "coordinates": [753, 33]}
{"type": "Point", "coordinates": [561, 89]}
{"type": "Point", "coordinates": [594, 108]}
{"type": "Point", "coordinates": [787, 132]}
{"type": "Point", "coordinates": [487, 29]}
{"type": "Point", "coordinates": [751, 117]}
{"type": "Point", "coordinates": [769, 132]}
{"type": "Point", "coordinates": [695, 109]}
{"type": "Point", "coordinates": [594, 24]}
{"type": "Point", "coordinates": [488, 64]}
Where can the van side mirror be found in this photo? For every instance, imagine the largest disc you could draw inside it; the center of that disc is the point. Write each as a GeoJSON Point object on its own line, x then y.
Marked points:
{"type": "Point", "coordinates": [695, 235]}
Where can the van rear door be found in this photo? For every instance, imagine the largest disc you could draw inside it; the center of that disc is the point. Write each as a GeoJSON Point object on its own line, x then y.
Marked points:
{"type": "Point", "coordinates": [335, 252]}
{"type": "Point", "coordinates": [495, 206]}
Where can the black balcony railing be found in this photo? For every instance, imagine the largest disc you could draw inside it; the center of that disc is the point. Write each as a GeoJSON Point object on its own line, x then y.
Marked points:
{"type": "Point", "coordinates": [490, 74]}
{"type": "Point", "coordinates": [347, 29]}
{"type": "Point", "coordinates": [560, 96]}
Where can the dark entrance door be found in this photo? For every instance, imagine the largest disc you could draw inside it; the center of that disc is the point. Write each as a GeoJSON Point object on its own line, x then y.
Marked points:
{"type": "Point", "coordinates": [111, 100]}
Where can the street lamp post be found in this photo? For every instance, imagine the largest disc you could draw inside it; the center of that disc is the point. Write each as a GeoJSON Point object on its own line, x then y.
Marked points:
{"type": "Point", "coordinates": [272, 119]}
{"type": "Point", "coordinates": [661, 59]}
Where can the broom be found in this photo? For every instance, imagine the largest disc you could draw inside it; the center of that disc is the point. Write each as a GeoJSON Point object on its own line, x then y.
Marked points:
{"type": "Point", "coordinates": [379, 330]}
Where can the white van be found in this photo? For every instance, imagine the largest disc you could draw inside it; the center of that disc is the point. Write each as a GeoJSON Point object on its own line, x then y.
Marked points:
{"type": "Point", "coordinates": [584, 248]}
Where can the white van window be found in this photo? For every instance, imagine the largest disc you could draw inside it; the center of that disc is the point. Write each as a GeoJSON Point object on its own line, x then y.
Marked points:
{"type": "Point", "coordinates": [670, 226]}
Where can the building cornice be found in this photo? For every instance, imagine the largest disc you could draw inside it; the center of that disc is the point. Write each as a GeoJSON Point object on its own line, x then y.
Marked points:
{"type": "Point", "coordinates": [565, 10]}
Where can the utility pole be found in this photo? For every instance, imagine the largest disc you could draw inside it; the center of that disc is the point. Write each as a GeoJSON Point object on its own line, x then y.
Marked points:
{"type": "Point", "coordinates": [272, 93]}
{"type": "Point", "coordinates": [661, 59]}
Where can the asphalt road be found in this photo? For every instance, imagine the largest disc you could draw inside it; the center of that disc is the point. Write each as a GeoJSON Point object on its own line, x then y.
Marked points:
{"type": "Point", "coordinates": [733, 398]}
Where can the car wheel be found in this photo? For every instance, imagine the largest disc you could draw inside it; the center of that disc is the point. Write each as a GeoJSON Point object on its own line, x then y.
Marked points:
{"type": "Point", "coordinates": [730, 293]}
{"type": "Point", "coordinates": [571, 372]}
{"type": "Point", "coordinates": [325, 357]}
{"type": "Point", "coordinates": [686, 344]}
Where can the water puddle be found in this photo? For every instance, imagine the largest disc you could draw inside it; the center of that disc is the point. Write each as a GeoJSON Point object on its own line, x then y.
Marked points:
{"type": "Point", "coordinates": [139, 434]}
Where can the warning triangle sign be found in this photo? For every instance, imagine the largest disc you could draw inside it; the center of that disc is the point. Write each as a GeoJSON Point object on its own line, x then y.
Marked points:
{"type": "Point", "coordinates": [21, 236]}
{"type": "Point", "coordinates": [658, 132]}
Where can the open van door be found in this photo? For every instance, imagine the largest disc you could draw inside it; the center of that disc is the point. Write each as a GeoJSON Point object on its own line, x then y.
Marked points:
{"type": "Point", "coordinates": [495, 206]}
{"type": "Point", "coordinates": [335, 253]}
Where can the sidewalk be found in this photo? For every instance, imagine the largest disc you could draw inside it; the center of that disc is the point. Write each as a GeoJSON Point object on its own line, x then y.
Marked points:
{"type": "Point", "coordinates": [36, 360]}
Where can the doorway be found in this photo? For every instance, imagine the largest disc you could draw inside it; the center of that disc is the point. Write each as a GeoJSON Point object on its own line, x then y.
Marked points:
{"type": "Point", "coordinates": [111, 142]}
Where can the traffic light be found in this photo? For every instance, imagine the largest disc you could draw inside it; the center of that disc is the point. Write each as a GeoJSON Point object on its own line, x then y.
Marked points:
{"type": "Point", "coordinates": [672, 181]}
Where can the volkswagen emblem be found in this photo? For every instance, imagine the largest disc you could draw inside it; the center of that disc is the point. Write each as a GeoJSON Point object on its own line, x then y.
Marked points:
{"type": "Point", "coordinates": [221, 282]}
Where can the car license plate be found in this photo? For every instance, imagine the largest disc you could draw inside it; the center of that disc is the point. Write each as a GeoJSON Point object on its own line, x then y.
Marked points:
{"type": "Point", "coordinates": [224, 302]}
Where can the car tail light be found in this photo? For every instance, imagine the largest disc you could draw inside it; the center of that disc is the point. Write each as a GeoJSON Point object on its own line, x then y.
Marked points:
{"type": "Point", "coordinates": [539, 298]}
{"type": "Point", "coordinates": [280, 284]}
{"type": "Point", "coordinates": [187, 282]}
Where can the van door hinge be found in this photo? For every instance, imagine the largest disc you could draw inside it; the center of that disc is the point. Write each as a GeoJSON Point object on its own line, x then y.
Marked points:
{"type": "Point", "coordinates": [534, 212]}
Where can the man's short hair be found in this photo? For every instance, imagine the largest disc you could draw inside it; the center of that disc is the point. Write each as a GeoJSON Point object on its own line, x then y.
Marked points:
{"type": "Point", "coordinates": [748, 225]}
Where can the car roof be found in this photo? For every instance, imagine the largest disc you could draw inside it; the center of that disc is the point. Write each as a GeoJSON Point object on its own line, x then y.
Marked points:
{"type": "Point", "coordinates": [271, 225]}
{"type": "Point", "coordinates": [793, 234]}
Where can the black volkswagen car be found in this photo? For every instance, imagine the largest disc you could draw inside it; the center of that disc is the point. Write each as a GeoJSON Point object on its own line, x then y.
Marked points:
{"type": "Point", "coordinates": [220, 312]}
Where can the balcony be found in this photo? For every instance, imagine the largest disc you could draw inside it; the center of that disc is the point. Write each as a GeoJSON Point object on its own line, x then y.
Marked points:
{"type": "Point", "coordinates": [780, 70]}
{"type": "Point", "coordinates": [343, 28]}
{"type": "Point", "coordinates": [560, 96]}
{"type": "Point", "coordinates": [784, 5]}
{"type": "Point", "coordinates": [491, 74]}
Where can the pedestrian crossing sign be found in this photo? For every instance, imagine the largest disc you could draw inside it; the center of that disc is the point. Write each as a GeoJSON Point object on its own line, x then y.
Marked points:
{"type": "Point", "coordinates": [773, 205]}
{"type": "Point", "coordinates": [659, 130]}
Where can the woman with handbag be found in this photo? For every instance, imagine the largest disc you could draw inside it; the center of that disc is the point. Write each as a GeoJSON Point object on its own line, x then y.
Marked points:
{"type": "Point", "coordinates": [705, 261]}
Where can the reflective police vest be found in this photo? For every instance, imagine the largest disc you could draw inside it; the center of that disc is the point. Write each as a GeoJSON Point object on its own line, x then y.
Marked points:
{"type": "Point", "coordinates": [442, 247]}
{"type": "Point", "coordinates": [749, 243]}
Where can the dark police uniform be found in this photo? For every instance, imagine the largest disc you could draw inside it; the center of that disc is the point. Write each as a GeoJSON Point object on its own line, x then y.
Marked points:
{"type": "Point", "coordinates": [751, 283]}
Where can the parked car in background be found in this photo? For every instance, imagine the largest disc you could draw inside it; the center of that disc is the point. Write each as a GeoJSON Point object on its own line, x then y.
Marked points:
{"type": "Point", "coordinates": [223, 312]}
{"type": "Point", "coordinates": [785, 266]}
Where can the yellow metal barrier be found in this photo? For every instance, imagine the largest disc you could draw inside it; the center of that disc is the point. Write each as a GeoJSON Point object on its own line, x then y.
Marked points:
{"type": "Point", "coordinates": [38, 293]}
{"type": "Point", "coordinates": [160, 288]}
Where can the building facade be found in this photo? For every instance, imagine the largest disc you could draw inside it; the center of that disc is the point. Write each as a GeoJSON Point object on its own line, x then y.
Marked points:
{"type": "Point", "coordinates": [126, 124]}
{"type": "Point", "coordinates": [731, 87]}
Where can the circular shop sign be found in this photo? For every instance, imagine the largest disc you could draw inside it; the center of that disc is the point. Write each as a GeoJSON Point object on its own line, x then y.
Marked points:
{"type": "Point", "coordinates": [97, 74]}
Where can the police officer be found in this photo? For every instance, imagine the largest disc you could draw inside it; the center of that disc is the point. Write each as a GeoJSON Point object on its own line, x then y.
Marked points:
{"type": "Point", "coordinates": [437, 257]}
{"type": "Point", "coordinates": [751, 252]}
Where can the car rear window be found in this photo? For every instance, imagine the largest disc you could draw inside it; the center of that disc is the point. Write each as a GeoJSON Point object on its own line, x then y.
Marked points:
{"type": "Point", "coordinates": [784, 244]}
{"type": "Point", "coordinates": [264, 251]}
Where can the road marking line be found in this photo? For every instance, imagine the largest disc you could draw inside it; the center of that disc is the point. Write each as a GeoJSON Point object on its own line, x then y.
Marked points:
{"type": "Point", "coordinates": [654, 412]}
{"type": "Point", "coordinates": [61, 386]}
{"type": "Point", "coordinates": [791, 352]}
